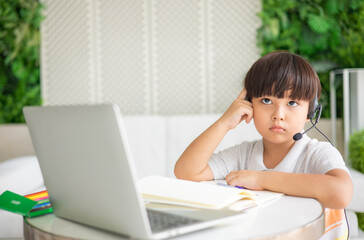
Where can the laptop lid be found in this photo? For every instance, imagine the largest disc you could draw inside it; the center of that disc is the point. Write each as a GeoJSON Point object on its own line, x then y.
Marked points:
{"type": "Point", "coordinates": [87, 167]}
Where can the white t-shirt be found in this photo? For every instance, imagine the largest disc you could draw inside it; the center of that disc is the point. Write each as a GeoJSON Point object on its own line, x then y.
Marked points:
{"type": "Point", "coordinates": [306, 156]}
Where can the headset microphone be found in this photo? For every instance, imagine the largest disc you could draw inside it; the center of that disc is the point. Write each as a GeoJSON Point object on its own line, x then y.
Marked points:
{"type": "Point", "coordinates": [298, 136]}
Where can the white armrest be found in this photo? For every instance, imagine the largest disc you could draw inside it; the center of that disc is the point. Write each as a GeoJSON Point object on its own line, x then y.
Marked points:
{"type": "Point", "coordinates": [353, 222]}
{"type": "Point", "coordinates": [357, 202]}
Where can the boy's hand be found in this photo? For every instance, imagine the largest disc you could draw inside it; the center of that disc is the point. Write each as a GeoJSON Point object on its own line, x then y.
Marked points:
{"type": "Point", "coordinates": [238, 111]}
{"type": "Point", "coordinates": [246, 178]}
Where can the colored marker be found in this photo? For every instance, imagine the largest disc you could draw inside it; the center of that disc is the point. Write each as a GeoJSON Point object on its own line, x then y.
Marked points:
{"type": "Point", "coordinates": [226, 185]}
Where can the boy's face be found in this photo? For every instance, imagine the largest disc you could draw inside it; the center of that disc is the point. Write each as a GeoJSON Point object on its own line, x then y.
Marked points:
{"type": "Point", "coordinates": [278, 119]}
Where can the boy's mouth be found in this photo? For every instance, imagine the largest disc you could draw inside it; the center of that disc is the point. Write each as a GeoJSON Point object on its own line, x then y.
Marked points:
{"type": "Point", "coordinates": [277, 128]}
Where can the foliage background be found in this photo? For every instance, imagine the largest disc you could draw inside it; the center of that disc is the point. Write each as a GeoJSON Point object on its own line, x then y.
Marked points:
{"type": "Point", "coordinates": [19, 58]}
{"type": "Point", "coordinates": [328, 33]}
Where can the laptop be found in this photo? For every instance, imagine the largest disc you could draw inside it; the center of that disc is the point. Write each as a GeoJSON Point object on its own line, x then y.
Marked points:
{"type": "Point", "coordinates": [89, 173]}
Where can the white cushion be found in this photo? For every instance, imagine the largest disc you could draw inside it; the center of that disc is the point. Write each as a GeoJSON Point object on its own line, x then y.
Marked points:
{"type": "Point", "coordinates": [147, 140]}
{"type": "Point", "coordinates": [22, 176]}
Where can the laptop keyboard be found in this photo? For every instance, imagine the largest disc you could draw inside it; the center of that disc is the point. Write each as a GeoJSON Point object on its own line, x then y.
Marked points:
{"type": "Point", "coordinates": [160, 221]}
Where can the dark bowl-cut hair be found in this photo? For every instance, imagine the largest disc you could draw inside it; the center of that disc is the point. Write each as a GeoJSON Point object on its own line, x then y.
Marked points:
{"type": "Point", "coordinates": [278, 72]}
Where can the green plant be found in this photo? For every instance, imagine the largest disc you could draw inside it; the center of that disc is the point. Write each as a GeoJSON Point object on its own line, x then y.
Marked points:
{"type": "Point", "coordinates": [19, 57]}
{"type": "Point", "coordinates": [356, 151]}
{"type": "Point", "coordinates": [329, 33]}
{"type": "Point", "coordinates": [356, 156]}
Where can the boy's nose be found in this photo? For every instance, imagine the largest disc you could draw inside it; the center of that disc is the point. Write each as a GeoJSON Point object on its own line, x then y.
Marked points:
{"type": "Point", "coordinates": [278, 114]}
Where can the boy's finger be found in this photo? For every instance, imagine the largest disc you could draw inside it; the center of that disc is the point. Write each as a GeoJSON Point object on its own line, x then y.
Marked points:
{"type": "Point", "coordinates": [244, 117]}
{"type": "Point", "coordinates": [242, 95]}
{"type": "Point", "coordinates": [249, 118]}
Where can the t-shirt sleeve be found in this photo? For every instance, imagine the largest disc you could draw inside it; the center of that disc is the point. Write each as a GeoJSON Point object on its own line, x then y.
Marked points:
{"type": "Point", "coordinates": [326, 158]}
{"type": "Point", "coordinates": [230, 159]}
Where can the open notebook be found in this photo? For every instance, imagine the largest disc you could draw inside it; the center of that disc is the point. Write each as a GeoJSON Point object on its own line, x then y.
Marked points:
{"type": "Point", "coordinates": [209, 195]}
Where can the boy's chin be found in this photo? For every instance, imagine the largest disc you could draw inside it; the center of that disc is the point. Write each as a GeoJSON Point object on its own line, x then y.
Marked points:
{"type": "Point", "coordinates": [279, 139]}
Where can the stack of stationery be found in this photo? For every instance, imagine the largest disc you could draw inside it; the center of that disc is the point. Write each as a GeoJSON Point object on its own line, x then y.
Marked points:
{"type": "Point", "coordinates": [29, 205]}
{"type": "Point", "coordinates": [43, 205]}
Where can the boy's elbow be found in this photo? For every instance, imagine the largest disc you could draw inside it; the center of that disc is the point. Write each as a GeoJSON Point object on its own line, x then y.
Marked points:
{"type": "Point", "coordinates": [181, 174]}
{"type": "Point", "coordinates": [341, 202]}
{"type": "Point", "coordinates": [335, 202]}
{"type": "Point", "coordinates": [345, 195]}
{"type": "Point", "coordinates": [339, 199]}
{"type": "Point", "coordinates": [345, 202]}
{"type": "Point", "coordinates": [339, 194]}
{"type": "Point", "coordinates": [178, 173]}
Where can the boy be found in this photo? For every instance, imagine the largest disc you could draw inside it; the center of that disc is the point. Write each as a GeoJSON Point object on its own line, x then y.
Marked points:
{"type": "Point", "coordinates": [280, 92]}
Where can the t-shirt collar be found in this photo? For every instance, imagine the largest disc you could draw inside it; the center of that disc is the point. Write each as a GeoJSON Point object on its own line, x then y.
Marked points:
{"type": "Point", "coordinates": [286, 165]}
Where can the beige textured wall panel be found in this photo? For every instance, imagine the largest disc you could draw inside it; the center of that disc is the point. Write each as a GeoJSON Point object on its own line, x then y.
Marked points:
{"type": "Point", "coordinates": [148, 56]}
{"type": "Point", "coordinates": [66, 52]}
{"type": "Point", "coordinates": [122, 56]}
{"type": "Point", "coordinates": [232, 27]}
{"type": "Point", "coordinates": [177, 58]}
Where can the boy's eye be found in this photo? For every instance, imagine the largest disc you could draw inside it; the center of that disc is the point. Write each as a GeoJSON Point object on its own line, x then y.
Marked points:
{"type": "Point", "coordinates": [292, 103]}
{"type": "Point", "coordinates": [266, 101]}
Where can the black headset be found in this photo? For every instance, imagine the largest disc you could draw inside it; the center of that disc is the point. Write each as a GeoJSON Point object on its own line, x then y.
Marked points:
{"type": "Point", "coordinates": [314, 108]}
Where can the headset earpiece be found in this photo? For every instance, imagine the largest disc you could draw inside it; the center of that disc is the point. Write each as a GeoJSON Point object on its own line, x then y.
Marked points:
{"type": "Point", "coordinates": [313, 109]}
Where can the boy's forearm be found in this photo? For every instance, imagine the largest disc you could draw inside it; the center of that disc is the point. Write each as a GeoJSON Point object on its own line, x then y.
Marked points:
{"type": "Point", "coordinates": [194, 159]}
{"type": "Point", "coordinates": [333, 191]}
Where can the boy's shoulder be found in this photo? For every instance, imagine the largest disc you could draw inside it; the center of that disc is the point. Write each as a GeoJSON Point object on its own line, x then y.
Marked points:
{"type": "Point", "coordinates": [322, 148]}
{"type": "Point", "coordinates": [251, 143]}
{"type": "Point", "coordinates": [245, 146]}
{"type": "Point", "coordinates": [322, 157]}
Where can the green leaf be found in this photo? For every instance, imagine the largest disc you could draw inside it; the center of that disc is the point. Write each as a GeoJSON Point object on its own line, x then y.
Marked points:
{"type": "Point", "coordinates": [321, 43]}
{"type": "Point", "coordinates": [355, 4]}
{"type": "Point", "coordinates": [274, 27]}
{"type": "Point", "coordinates": [318, 24]}
{"type": "Point", "coordinates": [332, 7]}
{"type": "Point", "coordinates": [356, 151]}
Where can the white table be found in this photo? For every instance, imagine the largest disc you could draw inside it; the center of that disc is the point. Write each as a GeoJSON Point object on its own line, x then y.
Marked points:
{"type": "Point", "coordinates": [285, 218]}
